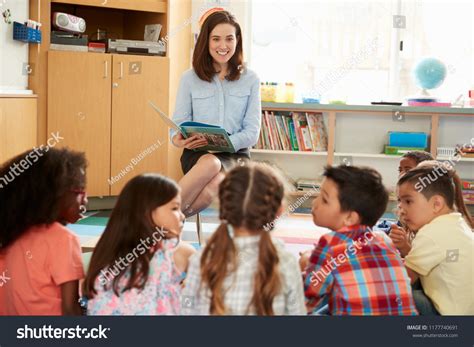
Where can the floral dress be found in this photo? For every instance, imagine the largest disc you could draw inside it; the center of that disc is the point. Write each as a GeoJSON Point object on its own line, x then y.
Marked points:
{"type": "Point", "coordinates": [160, 295]}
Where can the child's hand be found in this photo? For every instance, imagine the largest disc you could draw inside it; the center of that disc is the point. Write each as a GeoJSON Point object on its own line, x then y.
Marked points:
{"type": "Point", "coordinates": [400, 239]}
{"type": "Point", "coordinates": [304, 259]}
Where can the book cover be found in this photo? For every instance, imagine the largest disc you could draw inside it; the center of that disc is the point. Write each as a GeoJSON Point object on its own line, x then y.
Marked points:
{"type": "Point", "coordinates": [217, 138]}
{"type": "Point", "coordinates": [294, 138]}
{"type": "Point", "coordinates": [303, 132]}
{"type": "Point", "coordinates": [317, 131]}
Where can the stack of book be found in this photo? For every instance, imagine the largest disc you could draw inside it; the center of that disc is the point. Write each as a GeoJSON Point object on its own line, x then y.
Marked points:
{"type": "Point", "coordinates": [465, 151]}
{"type": "Point", "coordinates": [308, 185]}
{"type": "Point", "coordinates": [468, 190]}
{"type": "Point", "coordinates": [65, 41]}
{"type": "Point", "coordinates": [297, 131]}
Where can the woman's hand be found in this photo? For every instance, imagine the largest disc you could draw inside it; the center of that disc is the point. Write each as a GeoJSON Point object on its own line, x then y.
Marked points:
{"type": "Point", "coordinates": [400, 239]}
{"type": "Point", "coordinates": [192, 142]}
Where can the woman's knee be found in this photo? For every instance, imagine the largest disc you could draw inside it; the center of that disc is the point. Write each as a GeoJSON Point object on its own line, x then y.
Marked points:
{"type": "Point", "coordinates": [210, 163]}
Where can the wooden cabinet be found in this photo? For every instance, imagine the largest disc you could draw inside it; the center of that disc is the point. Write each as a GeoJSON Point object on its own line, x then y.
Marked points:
{"type": "Point", "coordinates": [136, 5]}
{"type": "Point", "coordinates": [139, 138]}
{"type": "Point", "coordinates": [79, 108]}
{"type": "Point", "coordinates": [17, 125]}
{"type": "Point", "coordinates": [99, 105]}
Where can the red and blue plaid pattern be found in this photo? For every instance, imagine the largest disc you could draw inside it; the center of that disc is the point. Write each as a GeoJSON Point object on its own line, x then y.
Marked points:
{"type": "Point", "coordinates": [357, 272]}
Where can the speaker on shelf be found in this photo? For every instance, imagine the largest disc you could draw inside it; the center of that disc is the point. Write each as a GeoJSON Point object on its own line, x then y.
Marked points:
{"type": "Point", "coordinates": [68, 22]}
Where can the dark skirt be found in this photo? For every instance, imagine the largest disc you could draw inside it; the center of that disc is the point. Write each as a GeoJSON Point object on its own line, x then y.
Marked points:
{"type": "Point", "coordinates": [228, 160]}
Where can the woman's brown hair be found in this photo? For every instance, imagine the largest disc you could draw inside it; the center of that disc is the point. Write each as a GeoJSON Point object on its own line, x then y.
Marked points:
{"type": "Point", "coordinates": [250, 197]}
{"type": "Point", "coordinates": [129, 224]}
{"type": "Point", "coordinates": [202, 60]}
{"type": "Point", "coordinates": [435, 178]}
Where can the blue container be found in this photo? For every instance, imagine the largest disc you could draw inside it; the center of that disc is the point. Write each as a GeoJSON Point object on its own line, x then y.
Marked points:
{"type": "Point", "coordinates": [407, 139]}
{"type": "Point", "coordinates": [22, 33]}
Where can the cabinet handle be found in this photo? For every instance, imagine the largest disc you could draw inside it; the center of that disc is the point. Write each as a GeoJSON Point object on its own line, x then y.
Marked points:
{"type": "Point", "coordinates": [121, 70]}
{"type": "Point", "coordinates": [106, 68]}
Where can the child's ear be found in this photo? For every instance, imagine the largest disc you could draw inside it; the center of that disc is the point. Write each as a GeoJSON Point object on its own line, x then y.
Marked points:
{"type": "Point", "coordinates": [351, 218]}
{"type": "Point", "coordinates": [438, 203]}
{"type": "Point", "coordinates": [279, 211]}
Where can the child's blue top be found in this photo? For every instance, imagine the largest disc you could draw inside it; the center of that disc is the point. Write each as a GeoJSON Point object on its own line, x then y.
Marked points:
{"type": "Point", "coordinates": [232, 105]}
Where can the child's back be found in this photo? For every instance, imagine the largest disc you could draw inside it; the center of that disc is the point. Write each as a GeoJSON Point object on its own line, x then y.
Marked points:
{"type": "Point", "coordinates": [160, 295]}
{"type": "Point", "coordinates": [239, 285]}
{"type": "Point", "coordinates": [35, 274]}
{"type": "Point", "coordinates": [357, 272]}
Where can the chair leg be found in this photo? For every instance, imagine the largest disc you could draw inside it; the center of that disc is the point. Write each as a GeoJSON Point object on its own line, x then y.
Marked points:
{"type": "Point", "coordinates": [199, 228]}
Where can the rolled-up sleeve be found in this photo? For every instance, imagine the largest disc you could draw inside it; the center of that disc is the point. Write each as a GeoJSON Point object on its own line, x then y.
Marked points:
{"type": "Point", "coordinates": [248, 135]}
{"type": "Point", "coordinates": [183, 110]}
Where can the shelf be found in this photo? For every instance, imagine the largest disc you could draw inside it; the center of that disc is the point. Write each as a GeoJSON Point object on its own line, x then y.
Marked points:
{"type": "Point", "coordinates": [133, 5]}
{"type": "Point", "coordinates": [272, 151]}
{"type": "Point", "coordinates": [367, 155]}
{"type": "Point", "coordinates": [302, 193]}
{"type": "Point", "coordinates": [413, 110]}
{"type": "Point", "coordinates": [462, 159]}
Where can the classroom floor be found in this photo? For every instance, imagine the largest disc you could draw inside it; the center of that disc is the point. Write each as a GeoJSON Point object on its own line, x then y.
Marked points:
{"type": "Point", "coordinates": [297, 230]}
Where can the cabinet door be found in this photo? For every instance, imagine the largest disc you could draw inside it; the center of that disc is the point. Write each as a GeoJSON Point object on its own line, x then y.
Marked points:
{"type": "Point", "coordinates": [139, 137]}
{"type": "Point", "coordinates": [17, 126]}
{"type": "Point", "coordinates": [79, 108]}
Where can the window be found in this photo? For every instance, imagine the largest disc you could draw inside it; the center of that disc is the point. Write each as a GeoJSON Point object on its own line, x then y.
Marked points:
{"type": "Point", "coordinates": [350, 50]}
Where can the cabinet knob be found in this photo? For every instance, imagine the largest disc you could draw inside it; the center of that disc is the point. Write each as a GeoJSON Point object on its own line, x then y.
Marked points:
{"type": "Point", "coordinates": [115, 85]}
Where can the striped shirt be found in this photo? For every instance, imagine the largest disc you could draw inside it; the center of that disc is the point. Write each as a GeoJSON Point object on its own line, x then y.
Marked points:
{"type": "Point", "coordinates": [357, 272]}
{"type": "Point", "coordinates": [239, 285]}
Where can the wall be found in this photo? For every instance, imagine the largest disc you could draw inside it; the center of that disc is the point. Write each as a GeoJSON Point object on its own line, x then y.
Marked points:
{"type": "Point", "coordinates": [13, 54]}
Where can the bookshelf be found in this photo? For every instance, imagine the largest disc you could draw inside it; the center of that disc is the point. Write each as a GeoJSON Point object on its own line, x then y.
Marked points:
{"type": "Point", "coordinates": [358, 133]}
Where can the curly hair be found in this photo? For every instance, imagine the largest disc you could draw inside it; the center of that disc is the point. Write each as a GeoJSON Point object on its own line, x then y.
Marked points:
{"type": "Point", "coordinates": [32, 185]}
{"type": "Point", "coordinates": [418, 156]}
{"type": "Point", "coordinates": [249, 196]}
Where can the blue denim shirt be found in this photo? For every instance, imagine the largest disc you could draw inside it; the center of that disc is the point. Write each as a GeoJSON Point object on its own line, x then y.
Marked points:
{"type": "Point", "coordinates": [233, 105]}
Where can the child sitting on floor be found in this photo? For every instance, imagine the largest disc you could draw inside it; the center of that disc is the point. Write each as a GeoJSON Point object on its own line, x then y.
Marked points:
{"type": "Point", "coordinates": [242, 270]}
{"type": "Point", "coordinates": [39, 256]}
{"type": "Point", "coordinates": [430, 201]}
{"type": "Point", "coordinates": [352, 270]}
{"type": "Point", "coordinates": [402, 236]}
{"type": "Point", "coordinates": [138, 264]}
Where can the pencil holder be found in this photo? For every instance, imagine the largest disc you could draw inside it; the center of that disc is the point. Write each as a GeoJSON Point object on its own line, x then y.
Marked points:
{"type": "Point", "coordinates": [22, 33]}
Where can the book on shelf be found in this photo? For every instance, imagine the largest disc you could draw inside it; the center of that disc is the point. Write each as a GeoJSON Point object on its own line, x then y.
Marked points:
{"type": "Point", "coordinates": [217, 138]}
{"type": "Point", "coordinates": [297, 131]}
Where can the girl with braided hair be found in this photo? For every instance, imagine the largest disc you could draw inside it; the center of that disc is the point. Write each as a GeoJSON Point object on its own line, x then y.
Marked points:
{"type": "Point", "coordinates": [441, 255]}
{"type": "Point", "coordinates": [242, 270]}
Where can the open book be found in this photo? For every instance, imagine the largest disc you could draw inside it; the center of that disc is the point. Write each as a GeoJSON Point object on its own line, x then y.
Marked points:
{"type": "Point", "coordinates": [217, 138]}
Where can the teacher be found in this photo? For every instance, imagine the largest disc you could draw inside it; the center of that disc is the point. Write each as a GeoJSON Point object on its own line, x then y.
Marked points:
{"type": "Point", "coordinates": [218, 90]}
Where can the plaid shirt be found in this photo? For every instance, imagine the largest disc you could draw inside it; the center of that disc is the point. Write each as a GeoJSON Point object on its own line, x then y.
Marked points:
{"type": "Point", "coordinates": [357, 272]}
{"type": "Point", "coordinates": [239, 285]}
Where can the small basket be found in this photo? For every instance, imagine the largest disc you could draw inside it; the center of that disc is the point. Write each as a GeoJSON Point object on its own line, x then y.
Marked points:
{"type": "Point", "coordinates": [446, 151]}
{"type": "Point", "coordinates": [22, 33]}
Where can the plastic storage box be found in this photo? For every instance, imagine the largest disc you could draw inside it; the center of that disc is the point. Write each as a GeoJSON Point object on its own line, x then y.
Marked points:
{"type": "Point", "coordinates": [22, 33]}
{"type": "Point", "coordinates": [407, 139]}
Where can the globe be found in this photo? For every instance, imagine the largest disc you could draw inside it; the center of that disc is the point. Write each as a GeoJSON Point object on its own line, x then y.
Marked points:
{"type": "Point", "coordinates": [429, 73]}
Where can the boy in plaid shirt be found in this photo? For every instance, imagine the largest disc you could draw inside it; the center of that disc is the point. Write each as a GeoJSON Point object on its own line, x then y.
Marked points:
{"type": "Point", "coordinates": [352, 270]}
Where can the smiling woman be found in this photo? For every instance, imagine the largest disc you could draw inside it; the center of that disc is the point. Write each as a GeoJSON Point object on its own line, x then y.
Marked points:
{"type": "Point", "coordinates": [218, 90]}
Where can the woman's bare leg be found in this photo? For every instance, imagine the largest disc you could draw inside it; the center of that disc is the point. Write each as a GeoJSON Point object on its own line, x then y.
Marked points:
{"type": "Point", "coordinates": [193, 183]}
{"type": "Point", "coordinates": [207, 195]}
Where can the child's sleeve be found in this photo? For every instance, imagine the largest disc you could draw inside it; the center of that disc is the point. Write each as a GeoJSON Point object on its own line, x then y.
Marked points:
{"type": "Point", "coordinates": [65, 264]}
{"type": "Point", "coordinates": [192, 282]}
{"type": "Point", "coordinates": [318, 285]}
{"type": "Point", "coordinates": [425, 254]}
